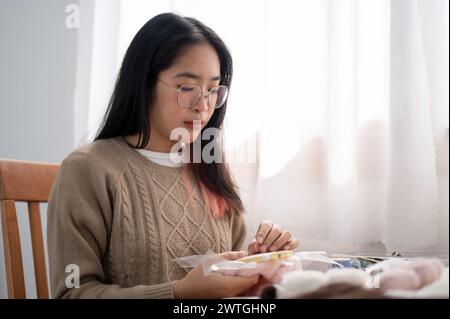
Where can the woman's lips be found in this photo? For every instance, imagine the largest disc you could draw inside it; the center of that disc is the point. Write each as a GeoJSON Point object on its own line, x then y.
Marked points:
{"type": "Point", "coordinates": [194, 124]}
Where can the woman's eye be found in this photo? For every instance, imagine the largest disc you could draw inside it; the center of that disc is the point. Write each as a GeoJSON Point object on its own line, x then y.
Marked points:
{"type": "Point", "coordinates": [186, 88]}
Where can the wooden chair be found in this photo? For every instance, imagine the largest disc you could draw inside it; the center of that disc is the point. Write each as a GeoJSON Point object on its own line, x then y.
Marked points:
{"type": "Point", "coordinates": [29, 182]}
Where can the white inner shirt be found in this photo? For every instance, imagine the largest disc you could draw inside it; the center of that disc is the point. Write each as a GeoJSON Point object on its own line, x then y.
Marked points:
{"type": "Point", "coordinates": [166, 159]}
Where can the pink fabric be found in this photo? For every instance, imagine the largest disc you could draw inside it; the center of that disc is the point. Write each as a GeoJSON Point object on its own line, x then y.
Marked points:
{"type": "Point", "coordinates": [412, 275]}
{"type": "Point", "coordinates": [402, 279]}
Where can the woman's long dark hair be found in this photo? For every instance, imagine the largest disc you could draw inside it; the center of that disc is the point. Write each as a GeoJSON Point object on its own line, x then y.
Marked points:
{"type": "Point", "coordinates": [153, 50]}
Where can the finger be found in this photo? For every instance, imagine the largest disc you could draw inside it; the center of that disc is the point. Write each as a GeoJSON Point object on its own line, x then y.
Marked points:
{"type": "Point", "coordinates": [281, 241]}
{"type": "Point", "coordinates": [233, 255]}
{"type": "Point", "coordinates": [273, 235]}
{"type": "Point", "coordinates": [292, 244]}
{"type": "Point", "coordinates": [233, 286]}
{"type": "Point", "coordinates": [253, 247]}
{"type": "Point", "coordinates": [244, 282]}
{"type": "Point", "coordinates": [263, 231]}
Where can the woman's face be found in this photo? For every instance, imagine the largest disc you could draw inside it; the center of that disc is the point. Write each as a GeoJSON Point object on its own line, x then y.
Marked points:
{"type": "Point", "coordinates": [196, 65]}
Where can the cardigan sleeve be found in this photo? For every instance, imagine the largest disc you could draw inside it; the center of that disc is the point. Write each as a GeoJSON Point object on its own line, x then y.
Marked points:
{"type": "Point", "coordinates": [79, 218]}
{"type": "Point", "coordinates": [238, 229]}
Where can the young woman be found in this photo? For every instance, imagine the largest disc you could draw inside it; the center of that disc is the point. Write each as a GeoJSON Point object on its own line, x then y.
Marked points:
{"type": "Point", "coordinates": [124, 206]}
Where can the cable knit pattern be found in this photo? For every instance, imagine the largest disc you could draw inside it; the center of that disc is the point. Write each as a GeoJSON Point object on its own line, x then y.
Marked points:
{"type": "Point", "coordinates": [187, 228]}
{"type": "Point", "coordinates": [151, 232]}
{"type": "Point", "coordinates": [122, 219]}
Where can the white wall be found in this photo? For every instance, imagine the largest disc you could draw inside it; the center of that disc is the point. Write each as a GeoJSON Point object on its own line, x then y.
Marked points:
{"type": "Point", "coordinates": [37, 82]}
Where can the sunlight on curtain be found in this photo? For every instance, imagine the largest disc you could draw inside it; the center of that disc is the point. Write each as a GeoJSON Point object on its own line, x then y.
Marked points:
{"type": "Point", "coordinates": [337, 121]}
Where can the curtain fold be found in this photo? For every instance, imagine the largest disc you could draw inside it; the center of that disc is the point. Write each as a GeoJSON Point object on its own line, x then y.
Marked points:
{"type": "Point", "coordinates": [337, 121]}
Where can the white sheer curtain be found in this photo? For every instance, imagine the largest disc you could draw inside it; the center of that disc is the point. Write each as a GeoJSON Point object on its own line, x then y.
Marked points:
{"type": "Point", "coordinates": [338, 116]}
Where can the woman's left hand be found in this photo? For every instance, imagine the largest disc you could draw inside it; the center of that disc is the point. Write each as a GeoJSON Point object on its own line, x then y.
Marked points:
{"type": "Point", "coordinates": [271, 237]}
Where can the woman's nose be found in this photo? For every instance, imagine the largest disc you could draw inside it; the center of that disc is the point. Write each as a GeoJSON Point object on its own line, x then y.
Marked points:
{"type": "Point", "coordinates": [202, 105]}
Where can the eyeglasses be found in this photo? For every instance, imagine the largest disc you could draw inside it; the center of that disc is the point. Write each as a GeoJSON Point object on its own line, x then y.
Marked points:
{"type": "Point", "coordinates": [189, 95]}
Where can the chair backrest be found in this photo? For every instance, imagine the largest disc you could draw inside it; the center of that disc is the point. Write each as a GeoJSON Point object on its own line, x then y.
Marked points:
{"type": "Point", "coordinates": [29, 182]}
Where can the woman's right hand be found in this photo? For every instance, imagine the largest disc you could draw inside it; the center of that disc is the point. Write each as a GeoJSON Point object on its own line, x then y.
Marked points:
{"type": "Point", "coordinates": [196, 285]}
